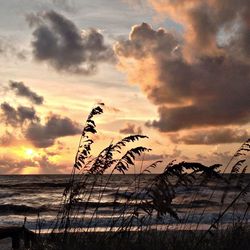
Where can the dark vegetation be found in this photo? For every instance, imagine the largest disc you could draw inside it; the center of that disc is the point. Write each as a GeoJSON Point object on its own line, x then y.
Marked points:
{"type": "Point", "coordinates": [133, 225]}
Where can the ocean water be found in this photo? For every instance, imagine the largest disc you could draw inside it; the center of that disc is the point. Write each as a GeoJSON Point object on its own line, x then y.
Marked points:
{"type": "Point", "coordinates": [29, 195]}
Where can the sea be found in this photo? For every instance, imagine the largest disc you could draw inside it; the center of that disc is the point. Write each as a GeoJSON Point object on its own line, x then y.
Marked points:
{"type": "Point", "coordinates": [29, 199]}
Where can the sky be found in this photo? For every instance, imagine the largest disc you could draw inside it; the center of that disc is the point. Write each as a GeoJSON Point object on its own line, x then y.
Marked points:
{"type": "Point", "coordinates": [176, 71]}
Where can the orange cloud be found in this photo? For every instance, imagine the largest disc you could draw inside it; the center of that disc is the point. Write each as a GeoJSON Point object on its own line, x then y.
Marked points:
{"type": "Point", "coordinates": [196, 81]}
{"type": "Point", "coordinates": [203, 20]}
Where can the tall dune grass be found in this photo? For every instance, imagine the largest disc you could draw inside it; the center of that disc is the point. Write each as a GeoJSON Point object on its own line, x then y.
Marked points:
{"type": "Point", "coordinates": [134, 221]}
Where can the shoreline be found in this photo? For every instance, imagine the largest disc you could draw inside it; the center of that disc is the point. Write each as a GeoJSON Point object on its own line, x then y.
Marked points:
{"type": "Point", "coordinates": [129, 239]}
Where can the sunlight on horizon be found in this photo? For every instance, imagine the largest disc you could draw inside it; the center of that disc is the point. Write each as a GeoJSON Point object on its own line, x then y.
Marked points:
{"type": "Point", "coordinates": [30, 170]}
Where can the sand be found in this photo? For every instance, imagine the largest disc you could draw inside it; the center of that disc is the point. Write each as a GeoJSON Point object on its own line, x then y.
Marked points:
{"type": "Point", "coordinates": [5, 244]}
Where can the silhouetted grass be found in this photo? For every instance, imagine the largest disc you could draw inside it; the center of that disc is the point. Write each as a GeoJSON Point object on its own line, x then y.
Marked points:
{"type": "Point", "coordinates": [235, 237]}
{"type": "Point", "coordinates": [134, 221]}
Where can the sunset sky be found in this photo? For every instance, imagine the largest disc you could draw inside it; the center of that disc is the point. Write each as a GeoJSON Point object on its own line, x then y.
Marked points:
{"type": "Point", "coordinates": [176, 71]}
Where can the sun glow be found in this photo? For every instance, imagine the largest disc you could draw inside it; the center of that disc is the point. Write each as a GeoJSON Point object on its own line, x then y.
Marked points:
{"type": "Point", "coordinates": [30, 170]}
{"type": "Point", "coordinates": [29, 152]}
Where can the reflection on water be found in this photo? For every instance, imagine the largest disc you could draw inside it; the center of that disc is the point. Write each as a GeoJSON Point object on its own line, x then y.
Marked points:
{"type": "Point", "coordinates": [29, 195]}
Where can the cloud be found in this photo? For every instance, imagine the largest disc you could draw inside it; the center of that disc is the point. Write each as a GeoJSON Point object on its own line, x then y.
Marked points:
{"type": "Point", "coordinates": [3, 46]}
{"type": "Point", "coordinates": [66, 5]}
{"type": "Point", "coordinates": [152, 157]}
{"type": "Point", "coordinates": [43, 136]}
{"type": "Point", "coordinates": [131, 129]}
{"type": "Point", "coordinates": [46, 166]}
{"type": "Point", "coordinates": [198, 80]}
{"type": "Point", "coordinates": [10, 165]}
{"type": "Point", "coordinates": [7, 49]}
{"type": "Point", "coordinates": [25, 123]}
{"type": "Point", "coordinates": [215, 157]}
{"type": "Point", "coordinates": [112, 109]}
{"type": "Point", "coordinates": [7, 139]}
{"type": "Point", "coordinates": [204, 20]}
{"type": "Point", "coordinates": [62, 45]}
{"type": "Point", "coordinates": [213, 136]}
{"type": "Point", "coordinates": [43, 163]}
{"type": "Point", "coordinates": [17, 117]}
{"type": "Point", "coordinates": [22, 90]}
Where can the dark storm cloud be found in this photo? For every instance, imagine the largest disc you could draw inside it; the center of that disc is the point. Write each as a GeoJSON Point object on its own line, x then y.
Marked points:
{"type": "Point", "coordinates": [131, 129]}
{"type": "Point", "coordinates": [26, 113]}
{"type": "Point", "coordinates": [45, 135]}
{"type": "Point", "coordinates": [60, 43]}
{"type": "Point", "coordinates": [197, 81]}
{"type": "Point", "coordinates": [17, 117]}
{"type": "Point", "coordinates": [214, 136]}
{"type": "Point", "coordinates": [22, 90]}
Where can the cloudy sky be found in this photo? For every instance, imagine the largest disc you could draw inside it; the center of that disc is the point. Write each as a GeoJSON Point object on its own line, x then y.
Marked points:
{"type": "Point", "coordinates": [177, 71]}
